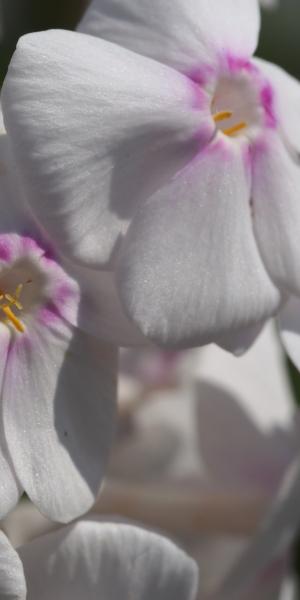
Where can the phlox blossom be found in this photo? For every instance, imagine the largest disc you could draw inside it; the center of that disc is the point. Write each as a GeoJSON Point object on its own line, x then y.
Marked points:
{"type": "Point", "coordinates": [154, 146]}
{"type": "Point", "coordinates": [58, 378]}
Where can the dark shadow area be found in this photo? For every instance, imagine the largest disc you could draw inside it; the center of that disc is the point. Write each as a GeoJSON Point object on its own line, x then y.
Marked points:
{"type": "Point", "coordinates": [24, 16]}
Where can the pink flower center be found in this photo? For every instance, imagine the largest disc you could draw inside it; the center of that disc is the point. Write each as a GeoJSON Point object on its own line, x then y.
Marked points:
{"type": "Point", "coordinates": [242, 101]}
{"type": "Point", "coordinates": [31, 283]}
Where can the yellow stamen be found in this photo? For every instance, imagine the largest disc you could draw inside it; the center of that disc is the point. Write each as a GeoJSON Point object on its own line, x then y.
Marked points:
{"type": "Point", "coordinates": [13, 319]}
{"type": "Point", "coordinates": [19, 290]}
{"type": "Point", "coordinates": [235, 128]}
{"type": "Point", "coordinates": [10, 300]}
{"type": "Point", "coordinates": [222, 115]}
{"type": "Point", "coordinates": [13, 300]}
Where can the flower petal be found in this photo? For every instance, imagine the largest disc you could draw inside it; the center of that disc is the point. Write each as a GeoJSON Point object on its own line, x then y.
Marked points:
{"type": "Point", "coordinates": [12, 580]}
{"type": "Point", "coordinates": [14, 212]}
{"type": "Point", "coordinates": [101, 313]}
{"type": "Point", "coordinates": [289, 322]}
{"type": "Point", "coordinates": [248, 403]}
{"type": "Point", "coordinates": [92, 559]}
{"type": "Point", "coordinates": [95, 130]}
{"type": "Point", "coordinates": [59, 403]}
{"type": "Point", "coordinates": [287, 100]}
{"type": "Point", "coordinates": [190, 270]}
{"type": "Point", "coordinates": [276, 184]}
{"type": "Point", "coordinates": [10, 489]}
{"type": "Point", "coordinates": [272, 541]}
{"type": "Point", "coordinates": [181, 33]}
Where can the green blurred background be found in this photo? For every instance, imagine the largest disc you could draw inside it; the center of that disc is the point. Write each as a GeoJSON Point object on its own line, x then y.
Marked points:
{"type": "Point", "coordinates": [280, 38]}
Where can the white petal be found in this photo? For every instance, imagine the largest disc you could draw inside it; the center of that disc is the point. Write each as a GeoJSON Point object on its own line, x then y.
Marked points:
{"type": "Point", "coordinates": [289, 322]}
{"type": "Point", "coordinates": [190, 270]}
{"type": "Point", "coordinates": [248, 404]}
{"type": "Point", "coordinates": [95, 130]}
{"type": "Point", "coordinates": [10, 488]}
{"type": "Point", "coordinates": [266, 398]}
{"type": "Point", "coordinates": [272, 541]}
{"type": "Point", "coordinates": [101, 313]}
{"type": "Point", "coordinates": [94, 560]}
{"type": "Point", "coordinates": [276, 185]}
{"type": "Point", "coordinates": [181, 33]}
{"type": "Point", "coordinates": [287, 99]}
{"type": "Point", "coordinates": [59, 402]}
{"type": "Point", "coordinates": [12, 580]}
{"type": "Point", "coordinates": [12, 206]}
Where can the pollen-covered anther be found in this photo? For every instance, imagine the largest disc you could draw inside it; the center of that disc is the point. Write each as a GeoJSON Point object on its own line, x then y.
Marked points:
{"type": "Point", "coordinates": [235, 128]}
{"type": "Point", "coordinates": [222, 115]}
{"type": "Point", "coordinates": [7, 301]}
{"type": "Point", "coordinates": [227, 114]}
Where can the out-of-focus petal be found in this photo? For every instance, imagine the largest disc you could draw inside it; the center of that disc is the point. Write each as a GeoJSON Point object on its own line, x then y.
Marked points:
{"type": "Point", "coordinates": [181, 33]}
{"type": "Point", "coordinates": [272, 541]}
{"type": "Point", "coordinates": [95, 560]}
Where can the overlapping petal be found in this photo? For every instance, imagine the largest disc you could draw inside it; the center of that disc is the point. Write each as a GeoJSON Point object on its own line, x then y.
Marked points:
{"type": "Point", "coordinates": [12, 579]}
{"type": "Point", "coordinates": [10, 489]}
{"type": "Point", "coordinates": [93, 142]}
{"type": "Point", "coordinates": [273, 539]}
{"type": "Point", "coordinates": [101, 313]}
{"type": "Point", "coordinates": [287, 99]}
{"type": "Point", "coordinates": [58, 405]}
{"type": "Point", "coordinates": [181, 33]}
{"type": "Point", "coordinates": [276, 184]}
{"type": "Point", "coordinates": [190, 269]}
{"type": "Point", "coordinates": [289, 322]}
{"type": "Point", "coordinates": [105, 560]}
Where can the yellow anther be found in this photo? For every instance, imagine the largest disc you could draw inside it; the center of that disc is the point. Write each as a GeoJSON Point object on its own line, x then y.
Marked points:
{"type": "Point", "coordinates": [19, 290]}
{"type": "Point", "coordinates": [8, 301]}
{"type": "Point", "coordinates": [222, 115]}
{"type": "Point", "coordinates": [13, 300]}
{"type": "Point", "coordinates": [13, 319]}
{"type": "Point", "coordinates": [235, 128]}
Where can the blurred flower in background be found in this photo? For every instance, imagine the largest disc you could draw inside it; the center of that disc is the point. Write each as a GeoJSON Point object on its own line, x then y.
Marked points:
{"type": "Point", "coordinates": [207, 447]}
{"type": "Point", "coordinates": [203, 458]}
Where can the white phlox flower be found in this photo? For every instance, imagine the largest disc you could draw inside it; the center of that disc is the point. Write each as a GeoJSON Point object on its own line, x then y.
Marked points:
{"type": "Point", "coordinates": [152, 144]}
{"type": "Point", "coordinates": [57, 377]}
{"type": "Point", "coordinates": [205, 461]}
{"type": "Point", "coordinates": [92, 559]}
